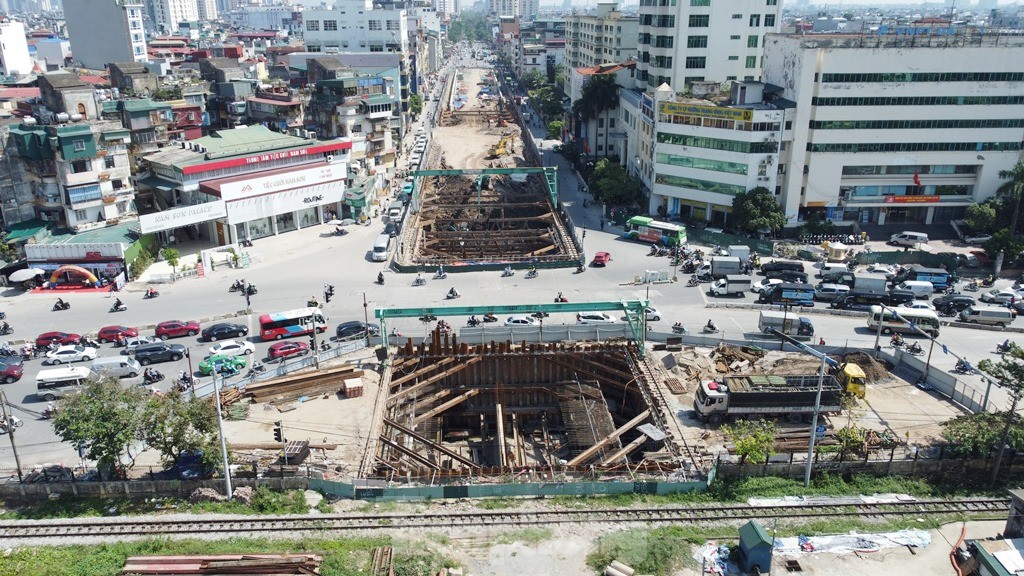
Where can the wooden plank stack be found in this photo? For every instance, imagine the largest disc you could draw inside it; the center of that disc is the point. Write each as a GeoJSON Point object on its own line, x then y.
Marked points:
{"type": "Point", "coordinates": [266, 564]}
{"type": "Point", "coordinates": [313, 383]}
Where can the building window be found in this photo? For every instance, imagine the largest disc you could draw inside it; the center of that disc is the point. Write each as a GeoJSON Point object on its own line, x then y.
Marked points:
{"type": "Point", "coordinates": [700, 2]}
{"type": "Point", "coordinates": [666, 42]}
{"type": "Point", "coordinates": [769, 20]}
{"type": "Point", "coordinates": [752, 41]}
{"type": "Point", "coordinates": [376, 47]}
{"type": "Point", "coordinates": [737, 16]}
{"type": "Point", "coordinates": [696, 42]}
{"type": "Point", "coordinates": [700, 20]}
{"type": "Point", "coordinates": [330, 25]}
{"type": "Point", "coordinates": [81, 215]}
{"type": "Point", "coordinates": [374, 24]}
{"type": "Point", "coordinates": [312, 25]}
{"type": "Point", "coordinates": [78, 145]}
{"type": "Point", "coordinates": [662, 61]}
{"type": "Point", "coordinates": [117, 184]}
{"type": "Point", "coordinates": [108, 161]}
{"type": "Point", "coordinates": [772, 2]}
{"type": "Point", "coordinates": [755, 20]}
{"type": "Point", "coordinates": [393, 25]}
{"type": "Point", "coordinates": [695, 61]}
{"type": "Point", "coordinates": [734, 57]}
{"type": "Point", "coordinates": [611, 123]}
{"type": "Point", "coordinates": [751, 62]}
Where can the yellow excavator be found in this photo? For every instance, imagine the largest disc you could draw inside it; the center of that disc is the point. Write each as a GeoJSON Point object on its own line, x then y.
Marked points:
{"type": "Point", "coordinates": [503, 147]}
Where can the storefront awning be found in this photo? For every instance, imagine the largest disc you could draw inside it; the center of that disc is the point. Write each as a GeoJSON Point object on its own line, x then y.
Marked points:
{"type": "Point", "coordinates": [24, 230]}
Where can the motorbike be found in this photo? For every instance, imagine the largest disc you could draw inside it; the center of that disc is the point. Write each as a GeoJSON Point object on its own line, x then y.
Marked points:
{"type": "Point", "coordinates": [256, 368]}
{"type": "Point", "coordinates": [988, 282]}
{"type": "Point", "coordinates": [380, 279]}
{"type": "Point", "coordinates": [490, 317]}
{"type": "Point", "coordinates": [325, 346]}
{"type": "Point", "coordinates": [13, 422]}
{"type": "Point", "coordinates": [678, 328]}
{"type": "Point", "coordinates": [452, 295]}
{"type": "Point", "coordinates": [443, 327]}
{"type": "Point", "coordinates": [560, 299]}
{"type": "Point", "coordinates": [440, 275]}
{"type": "Point", "coordinates": [313, 304]}
{"type": "Point", "coordinates": [6, 329]}
{"type": "Point", "coordinates": [897, 343]}
{"type": "Point", "coordinates": [48, 413]}
{"type": "Point", "coordinates": [3, 315]}
{"type": "Point", "coordinates": [150, 294]}
{"type": "Point", "coordinates": [61, 306]}
{"type": "Point", "coordinates": [693, 281]}
{"type": "Point", "coordinates": [1005, 347]}
{"type": "Point", "coordinates": [710, 329]}
{"type": "Point", "coordinates": [580, 269]}
{"type": "Point", "coordinates": [473, 322]}
{"type": "Point", "coordinates": [531, 274]}
{"type": "Point", "coordinates": [238, 285]}
{"type": "Point", "coordinates": [915, 349]}
{"type": "Point", "coordinates": [118, 308]}
{"type": "Point", "coordinates": [963, 367]}
{"type": "Point", "coordinates": [506, 273]}
{"type": "Point", "coordinates": [251, 290]}
{"type": "Point", "coordinates": [340, 232]}
{"type": "Point", "coordinates": [152, 377]}
{"type": "Point", "coordinates": [540, 315]}
{"type": "Point", "coordinates": [88, 343]}
{"type": "Point", "coordinates": [973, 286]}
{"type": "Point", "coordinates": [428, 318]}
{"type": "Point", "coordinates": [246, 243]}
{"type": "Point", "coordinates": [419, 281]}
{"type": "Point", "coordinates": [28, 351]}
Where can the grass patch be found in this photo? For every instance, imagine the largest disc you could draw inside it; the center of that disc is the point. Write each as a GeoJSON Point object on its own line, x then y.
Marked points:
{"type": "Point", "coordinates": [530, 536]}
{"type": "Point", "coordinates": [265, 501]}
{"type": "Point", "coordinates": [324, 506]}
{"type": "Point", "coordinates": [378, 507]}
{"type": "Point", "coordinates": [342, 557]}
{"type": "Point", "coordinates": [497, 503]}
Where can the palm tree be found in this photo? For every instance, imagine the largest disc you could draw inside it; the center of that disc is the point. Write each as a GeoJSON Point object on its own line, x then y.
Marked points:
{"type": "Point", "coordinates": [600, 95]}
{"type": "Point", "coordinates": [1013, 190]}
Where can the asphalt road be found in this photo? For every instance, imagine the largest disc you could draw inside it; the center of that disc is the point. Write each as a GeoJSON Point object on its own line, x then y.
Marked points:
{"type": "Point", "coordinates": [294, 266]}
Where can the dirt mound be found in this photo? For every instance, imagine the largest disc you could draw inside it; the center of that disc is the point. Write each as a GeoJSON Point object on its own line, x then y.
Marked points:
{"type": "Point", "coordinates": [873, 369]}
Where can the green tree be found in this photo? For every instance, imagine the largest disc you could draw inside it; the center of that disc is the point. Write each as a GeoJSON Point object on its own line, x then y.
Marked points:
{"type": "Point", "coordinates": [105, 418]}
{"type": "Point", "coordinates": [416, 104]}
{"type": "Point", "coordinates": [532, 79]}
{"type": "Point", "coordinates": [1008, 372]}
{"type": "Point", "coordinates": [173, 257]}
{"type": "Point", "coordinates": [1013, 192]}
{"type": "Point", "coordinates": [1001, 240]}
{"type": "Point", "coordinates": [753, 440]}
{"type": "Point", "coordinates": [547, 100]}
{"type": "Point", "coordinates": [174, 425]}
{"type": "Point", "coordinates": [613, 185]}
{"type": "Point", "coordinates": [757, 210]}
{"type": "Point", "coordinates": [555, 130]}
{"type": "Point", "coordinates": [559, 79]}
{"type": "Point", "coordinates": [980, 218]}
{"type": "Point", "coordinates": [976, 434]}
{"type": "Point", "coordinates": [598, 99]}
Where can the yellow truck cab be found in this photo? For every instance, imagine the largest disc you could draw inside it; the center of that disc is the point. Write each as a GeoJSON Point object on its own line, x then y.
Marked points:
{"type": "Point", "coordinates": [852, 379]}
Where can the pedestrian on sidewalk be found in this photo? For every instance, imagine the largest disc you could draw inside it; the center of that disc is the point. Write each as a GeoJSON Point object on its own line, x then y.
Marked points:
{"type": "Point", "coordinates": [602, 223]}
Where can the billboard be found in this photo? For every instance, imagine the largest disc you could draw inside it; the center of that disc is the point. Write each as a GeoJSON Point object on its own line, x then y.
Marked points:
{"type": "Point", "coordinates": [183, 216]}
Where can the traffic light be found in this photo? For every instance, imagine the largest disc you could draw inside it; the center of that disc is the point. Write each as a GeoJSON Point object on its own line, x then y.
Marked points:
{"type": "Point", "coordinates": [328, 292]}
{"type": "Point", "coordinates": [312, 341]}
{"type": "Point", "coordinates": [278, 431]}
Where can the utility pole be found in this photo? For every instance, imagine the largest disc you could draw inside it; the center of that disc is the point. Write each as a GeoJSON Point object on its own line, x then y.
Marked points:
{"type": "Point", "coordinates": [366, 319]}
{"type": "Point", "coordinates": [220, 429]}
{"type": "Point", "coordinates": [10, 433]}
{"type": "Point", "coordinates": [814, 424]}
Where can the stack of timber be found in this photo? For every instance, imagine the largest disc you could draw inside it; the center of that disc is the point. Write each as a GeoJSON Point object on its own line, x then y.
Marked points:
{"type": "Point", "coordinates": [266, 564]}
{"type": "Point", "coordinates": [324, 381]}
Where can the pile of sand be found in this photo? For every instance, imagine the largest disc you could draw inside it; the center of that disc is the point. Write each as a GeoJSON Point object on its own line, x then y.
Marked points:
{"type": "Point", "coordinates": [873, 369]}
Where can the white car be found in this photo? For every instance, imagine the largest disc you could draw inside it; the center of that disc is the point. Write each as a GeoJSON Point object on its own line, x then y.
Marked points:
{"type": "Point", "coordinates": [414, 160]}
{"type": "Point", "coordinates": [132, 343]}
{"type": "Point", "coordinates": [763, 285]}
{"type": "Point", "coordinates": [594, 318]}
{"type": "Point", "coordinates": [70, 354]}
{"type": "Point", "coordinates": [419, 149]}
{"type": "Point", "coordinates": [889, 270]}
{"type": "Point", "coordinates": [232, 348]}
{"type": "Point", "coordinates": [652, 314]}
{"type": "Point", "coordinates": [917, 305]}
{"type": "Point", "coordinates": [520, 320]}
{"type": "Point", "coordinates": [980, 239]}
{"type": "Point", "coordinates": [1000, 296]}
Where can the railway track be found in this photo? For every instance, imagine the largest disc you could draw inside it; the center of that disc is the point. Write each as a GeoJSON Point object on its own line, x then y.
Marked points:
{"type": "Point", "coordinates": [155, 526]}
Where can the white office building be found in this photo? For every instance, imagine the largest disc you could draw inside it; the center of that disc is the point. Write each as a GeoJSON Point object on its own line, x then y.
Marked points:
{"type": "Point", "coordinates": [262, 17]}
{"type": "Point", "coordinates": [105, 31]}
{"type": "Point", "coordinates": [207, 10]}
{"type": "Point", "coordinates": [897, 128]}
{"type": "Point", "coordinates": [695, 40]}
{"type": "Point", "coordinates": [14, 58]}
{"type": "Point", "coordinates": [167, 14]}
{"type": "Point", "coordinates": [355, 26]}
{"type": "Point", "coordinates": [604, 37]}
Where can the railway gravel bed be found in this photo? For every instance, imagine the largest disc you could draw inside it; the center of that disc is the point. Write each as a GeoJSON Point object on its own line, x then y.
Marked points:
{"type": "Point", "coordinates": [125, 528]}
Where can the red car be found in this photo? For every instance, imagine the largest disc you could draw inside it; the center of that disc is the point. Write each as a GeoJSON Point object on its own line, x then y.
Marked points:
{"type": "Point", "coordinates": [285, 349]}
{"type": "Point", "coordinates": [602, 258]}
{"type": "Point", "coordinates": [44, 339]}
{"type": "Point", "coordinates": [176, 328]}
{"type": "Point", "coordinates": [115, 333]}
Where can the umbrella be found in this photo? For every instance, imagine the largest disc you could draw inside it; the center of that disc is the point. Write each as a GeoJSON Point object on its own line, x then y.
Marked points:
{"type": "Point", "coordinates": [335, 222]}
{"type": "Point", "coordinates": [26, 274]}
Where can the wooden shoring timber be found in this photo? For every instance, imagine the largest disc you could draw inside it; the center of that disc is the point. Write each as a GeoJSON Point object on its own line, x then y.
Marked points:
{"type": "Point", "coordinates": [419, 371]}
{"type": "Point", "coordinates": [443, 407]}
{"type": "Point", "coordinates": [624, 452]}
{"type": "Point", "coordinates": [425, 401]}
{"type": "Point", "coordinates": [419, 385]}
{"type": "Point", "coordinates": [410, 453]}
{"type": "Point", "coordinates": [590, 452]}
{"type": "Point", "coordinates": [430, 444]}
{"type": "Point", "coordinates": [585, 371]}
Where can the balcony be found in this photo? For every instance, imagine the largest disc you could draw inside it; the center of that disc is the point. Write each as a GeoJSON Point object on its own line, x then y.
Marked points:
{"type": "Point", "coordinates": [80, 178]}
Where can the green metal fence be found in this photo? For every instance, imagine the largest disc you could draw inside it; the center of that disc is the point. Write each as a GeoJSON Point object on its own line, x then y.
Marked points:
{"type": "Point", "coordinates": [766, 247]}
{"type": "Point", "coordinates": [910, 257]}
{"type": "Point", "coordinates": [345, 490]}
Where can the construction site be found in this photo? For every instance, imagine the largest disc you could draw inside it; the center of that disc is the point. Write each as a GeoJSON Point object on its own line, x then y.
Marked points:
{"type": "Point", "coordinates": [480, 196]}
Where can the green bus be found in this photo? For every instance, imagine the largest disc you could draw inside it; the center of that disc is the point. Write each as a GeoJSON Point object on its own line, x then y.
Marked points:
{"type": "Point", "coordinates": [650, 230]}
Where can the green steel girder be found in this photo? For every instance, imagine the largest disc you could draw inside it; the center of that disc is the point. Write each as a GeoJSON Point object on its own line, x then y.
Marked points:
{"type": "Point", "coordinates": [634, 310]}
{"type": "Point", "coordinates": [550, 175]}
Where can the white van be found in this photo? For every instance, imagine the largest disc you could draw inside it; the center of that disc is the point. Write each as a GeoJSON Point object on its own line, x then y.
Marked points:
{"type": "Point", "coordinates": [395, 211]}
{"type": "Point", "coordinates": [832, 268]}
{"type": "Point", "coordinates": [381, 248]}
{"type": "Point", "coordinates": [117, 366]}
{"type": "Point", "coordinates": [920, 288]}
{"type": "Point", "coordinates": [59, 382]}
{"type": "Point", "coordinates": [908, 239]}
{"type": "Point", "coordinates": [991, 315]}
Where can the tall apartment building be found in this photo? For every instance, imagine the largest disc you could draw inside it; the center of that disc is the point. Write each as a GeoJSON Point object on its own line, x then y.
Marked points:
{"type": "Point", "coordinates": [167, 14]}
{"type": "Point", "coordinates": [104, 31]}
{"type": "Point", "coordinates": [687, 41]}
{"type": "Point", "coordinates": [897, 128]}
{"type": "Point", "coordinates": [605, 37]}
{"type": "Point", "coordinates": [503, 7]}
{"type": "Point", "coordinates": [207, 10]}
{"type": "Point", "coordinates": [14, 58]}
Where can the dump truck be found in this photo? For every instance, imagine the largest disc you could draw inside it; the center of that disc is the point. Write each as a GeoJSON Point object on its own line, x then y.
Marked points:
{"type": "Point", "coordinates": [763, 396]}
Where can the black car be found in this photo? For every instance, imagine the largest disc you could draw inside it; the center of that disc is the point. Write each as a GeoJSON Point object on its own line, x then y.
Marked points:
{"type": "Point", "coordinates": [391, 229]}
{"type": "Point", "coordinates": [953, 303]}
{"type": "Point", "coordinates": [355, 330]}
{"type": "Point", "coordinates": [159, 352]}
{"type": "Point", "coordinates": [224, 330]}
{"type": "Point", "coordinates": [780, 266]}
{"type": "Point", "coordinates": [788, 276]}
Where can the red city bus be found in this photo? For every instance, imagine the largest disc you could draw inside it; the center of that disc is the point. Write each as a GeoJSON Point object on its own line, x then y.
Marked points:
{"type": "Point", "coordinates": [291, 323]}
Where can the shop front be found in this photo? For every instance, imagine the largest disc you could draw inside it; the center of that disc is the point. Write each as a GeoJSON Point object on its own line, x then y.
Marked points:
{"type": "Point", "coordinates": [89, 265]}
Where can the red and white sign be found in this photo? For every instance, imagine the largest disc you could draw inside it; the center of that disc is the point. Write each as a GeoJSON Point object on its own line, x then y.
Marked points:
{"type": "Point", "coordinates": [269, 156]}
{"type": "Point", "coordinates": [274, 183]}
{"type": "Point", "coordinates": [910, 199]}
